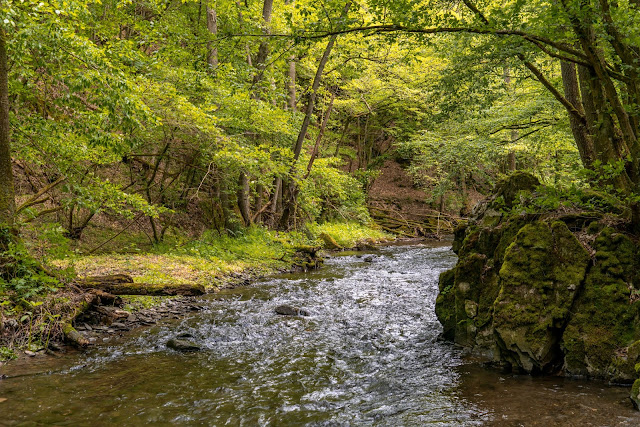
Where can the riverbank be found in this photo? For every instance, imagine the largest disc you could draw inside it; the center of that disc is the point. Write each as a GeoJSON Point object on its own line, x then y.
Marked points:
{"type": "Point", "coordinates": [41, 324]}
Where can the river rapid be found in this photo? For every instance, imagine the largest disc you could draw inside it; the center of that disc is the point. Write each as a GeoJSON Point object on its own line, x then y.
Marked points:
{"type": "Point", "coordinates": [368, 354]}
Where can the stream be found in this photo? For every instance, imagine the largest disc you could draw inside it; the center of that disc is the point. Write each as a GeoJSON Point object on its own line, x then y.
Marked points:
{"type": "Point", "coordinates": [368, 354]}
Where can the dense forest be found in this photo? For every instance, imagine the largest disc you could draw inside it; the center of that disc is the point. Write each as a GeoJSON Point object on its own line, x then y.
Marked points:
{"type": "Point", "coordinates": [210, 133]}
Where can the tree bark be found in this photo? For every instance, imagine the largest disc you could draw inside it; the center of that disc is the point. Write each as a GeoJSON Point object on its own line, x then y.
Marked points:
{"type": "Point", "coordinates": [292, 188]}
{"type": "Point", "coordinates": [212, 26]}
{"type": "Point", "coordinates": [511, 156]}
{"type": "Point", "coordinates": [323, 128]}
{"type": "Point", "coordinates": [578, 128]}
{"type": "Point", "coordinates": [263, 50]}
{"type": "Point", "coordinates": [243, 198]}
{"type": "Point", "coordinates": [314, 90]}
{"type": "Point", "coordinates": [121, 284]}
{"type": "Point", "coordinates": [7, 191]}
{"type": "Point", "coordinates": [292, 84]}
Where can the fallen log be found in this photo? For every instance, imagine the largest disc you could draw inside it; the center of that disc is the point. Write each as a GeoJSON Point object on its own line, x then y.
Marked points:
{"type": "Point", "coordinates": [75, 338]}
{"type": "Point", "coordinates": [71, 335]}
{"type": "Point", "coordinates": [121, 284]}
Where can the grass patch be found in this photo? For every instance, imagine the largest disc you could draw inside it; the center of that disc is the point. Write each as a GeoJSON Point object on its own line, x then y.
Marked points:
{"type": "Point", "coordinates": [206, 260]}
{"type": "Point", "coordinates": [349, 234]}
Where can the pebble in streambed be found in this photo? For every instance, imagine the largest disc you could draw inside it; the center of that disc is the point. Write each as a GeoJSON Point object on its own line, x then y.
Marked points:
{"type": "Point", "coordinates": [287, 310]}
{"type": "Point", "coordinates": [183, 344]}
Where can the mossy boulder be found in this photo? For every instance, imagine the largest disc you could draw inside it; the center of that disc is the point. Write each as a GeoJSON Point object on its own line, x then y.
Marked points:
{"type": "Point", "coordinates": [445, 304]}
{"type": "Point", "coordinates": [541, 275]}
{"type": "Point", "coordinates": [505, 196]}
{"type": "Point", "coordinates": [329, 242]}
{"type": "Point", "coordinates": [510, 188]}
{"type": "Point", "coordinates": [553, 292]}
{"type": "Point", "coordinates": [601, 340]}
{"type": "Point", "coordinates": [635, 394]}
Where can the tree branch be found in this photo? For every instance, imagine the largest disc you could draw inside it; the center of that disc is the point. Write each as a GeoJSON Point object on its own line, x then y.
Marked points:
{"type": "Point", "coordinates": [547, 84]}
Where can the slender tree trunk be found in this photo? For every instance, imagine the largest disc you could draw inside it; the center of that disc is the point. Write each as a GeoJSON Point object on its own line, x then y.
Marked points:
{"type": "Point", "coordinates": [7, 192]}
{"type": "Point", "coordinates": [258, 202]}
{"type": "Point", "coordinates": [292, 84]}
{"type": "Point", "coordinates": [227, 211]}
{"type": "Point", "coordinates": [212, 26]}
{"type": "Point", "coordinates": [314, 90]}
{"type": "Point", "coordinates": [292, 188]}
{"type": "Point", "coordinates": [323, 128]}
{"type": "Point", "coordinates": [263, 51]}
{"type": "Point", "coordinates": [344, 132]}
{"type": "Point", "coordinates": [241, 19]}
{"type": "Point", "coordinates": [511, 156]}
{"type": "Point", "coordinates": [277, 185]}
{"type": "Point", "coordinates": [243, 198]}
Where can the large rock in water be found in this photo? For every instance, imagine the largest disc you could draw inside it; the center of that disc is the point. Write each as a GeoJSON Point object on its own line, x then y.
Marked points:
{"type": "Point", "coordinates": [542, 272]}
{"type": "Point", "coordinates": [527, 293]}
{"type": "Point", "coordinates": [601, 340]}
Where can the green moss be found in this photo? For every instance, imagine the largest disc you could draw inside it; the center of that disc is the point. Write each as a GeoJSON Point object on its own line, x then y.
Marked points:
{"type": "Point", "coordinates": [635, 394]}
{"type": "Point", "coordinates": [459, 233]}
{"type": "Point", "coordinates": [445, 311]}
{"type": "Point", "coordinates": [539, 278]}
{"type": "Point", "coordinates": [601, 338]}
{"type": "Point", "coordinates": [7, 353]}
{"type": "Point", "coordinates": [446, 281]}
{"type": "Point", "coordinates": [508, 189]}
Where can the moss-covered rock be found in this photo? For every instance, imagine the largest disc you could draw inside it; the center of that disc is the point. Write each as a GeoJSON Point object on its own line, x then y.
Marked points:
{"type": "Point", "coordinates": [601, 338]}
{"type": "Point", "coordinates": [539, 279]}
{"type": "Point", "coordinates": [635, 394]}
{"type": "Point", "coordinates": [329, 242]}
{"type": "Point", "coordinates": [528, 293]}
{"type": "Point", "coordinates": [506, 194]}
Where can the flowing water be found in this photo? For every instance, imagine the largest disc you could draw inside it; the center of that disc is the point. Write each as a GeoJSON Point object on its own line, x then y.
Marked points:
{"type": "Point", "coordinates": [368, 355]}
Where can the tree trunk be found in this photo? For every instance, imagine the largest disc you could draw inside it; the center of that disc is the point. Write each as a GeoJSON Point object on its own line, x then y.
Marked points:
{"type": "Point", "coordinates": [323, 128]}
{"type": "Point", "coordinates": [263, 51]}
{"type": "Point", "coordinates": [212, 26]}
{"type": "Point", "coordinates": [258, 203]}
{"type": "Point", "coordinates": [121, 284]}
{"type": "Point", "coordinates": [511, 156]}
{"type": "Point", "coordinates": [7, 192]}
{"type": "Point", "coordinates": [291, 188]}
{"type": "Point", "coordinates": [243, 198]}
{"type": "Point", "coordinates": [578, 128]}
{"type": "Point", "coordinates": [292, 84]}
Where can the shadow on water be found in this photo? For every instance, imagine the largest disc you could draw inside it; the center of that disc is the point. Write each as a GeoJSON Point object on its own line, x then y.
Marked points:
{"type": "Point", "coordinates": [367, 355]}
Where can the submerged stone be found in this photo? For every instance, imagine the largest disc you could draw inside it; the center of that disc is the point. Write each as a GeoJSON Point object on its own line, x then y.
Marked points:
{"type": "Point", "coordinates": [287, 310]}
{"type": "Point", "coordinates": [182, 345]}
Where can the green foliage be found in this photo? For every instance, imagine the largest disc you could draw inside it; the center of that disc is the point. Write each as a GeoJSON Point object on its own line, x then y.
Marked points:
{"type": "Point", "coordinates": [7, 353]}
{"type": "Point", "coordinates": [255, 243]}
{"type": "Point", "coordinates": [329, 194]}
{"type": "Point", "coordinates": [21, 275]}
